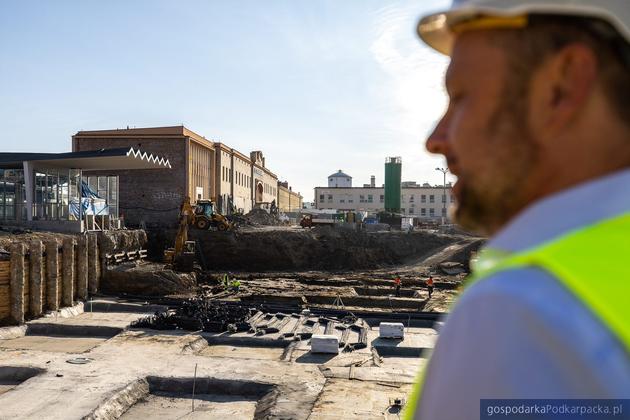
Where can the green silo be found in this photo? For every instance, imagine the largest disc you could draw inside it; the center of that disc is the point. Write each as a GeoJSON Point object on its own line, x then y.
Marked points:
{"type": "Point", "coordinates": [393, 169]}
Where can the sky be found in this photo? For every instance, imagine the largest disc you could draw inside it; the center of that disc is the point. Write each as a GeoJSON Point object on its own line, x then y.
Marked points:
{"type": "Point", "coordinates": [317, 85]}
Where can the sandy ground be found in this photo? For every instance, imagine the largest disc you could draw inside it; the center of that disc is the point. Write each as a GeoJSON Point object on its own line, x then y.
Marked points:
{"type": "Point", "coordinates": [349, 385]}
{"type": "Point", "coordinates": [207, 406]}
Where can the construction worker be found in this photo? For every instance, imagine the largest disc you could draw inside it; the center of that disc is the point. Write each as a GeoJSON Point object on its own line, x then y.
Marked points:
{"type": "Point", "coordinates": [235, 285]}
{"type": "Point", "coordinates": [429, 283]}
{"type": "Point", "coordinates": [537, 132]}
{"type": "Point", "coordinates": [397, 284]}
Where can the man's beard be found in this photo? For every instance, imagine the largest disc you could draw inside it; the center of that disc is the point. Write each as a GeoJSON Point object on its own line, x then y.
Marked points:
{"type": "Point", "coordinates": [489, 200]}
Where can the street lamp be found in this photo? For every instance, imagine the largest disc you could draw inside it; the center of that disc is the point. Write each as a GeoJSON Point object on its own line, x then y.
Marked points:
{"type": "Point", "coordinates": [444, 171]}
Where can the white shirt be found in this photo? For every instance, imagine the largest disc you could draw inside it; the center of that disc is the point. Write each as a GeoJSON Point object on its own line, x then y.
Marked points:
{"type": "Point", "coordinates": [520, 334]}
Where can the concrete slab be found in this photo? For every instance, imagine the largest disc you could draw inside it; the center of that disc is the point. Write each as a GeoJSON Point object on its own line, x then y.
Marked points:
{"type": "Point", "coordinates": [348, 399]}
{"type": "Point", "coordinates": [258, 353]}
{"type": "Point", "coordinates": [52, 344]}
{"type": "Point", "coordinates": [132, 355]}
{"type": "Point", "coordinates": [87, 324]}
{"type": "Point", "coordinates": [358, 384]}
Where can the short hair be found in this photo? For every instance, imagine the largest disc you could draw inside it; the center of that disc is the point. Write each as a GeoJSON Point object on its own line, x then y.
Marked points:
{"type": "Point", "coordinates": [547, 34]}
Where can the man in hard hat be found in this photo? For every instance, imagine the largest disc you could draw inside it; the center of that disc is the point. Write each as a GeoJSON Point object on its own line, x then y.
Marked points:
{"type": "Point", "coordinates": [537, 132]}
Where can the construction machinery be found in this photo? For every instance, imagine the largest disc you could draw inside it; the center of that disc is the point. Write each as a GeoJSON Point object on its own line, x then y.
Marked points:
{"type": "Point", "coordinates": [182, 256]}
{"type": "Point", "coordinates": [308, 221]}
{"type": "Point", "coordinates": [205, 216]}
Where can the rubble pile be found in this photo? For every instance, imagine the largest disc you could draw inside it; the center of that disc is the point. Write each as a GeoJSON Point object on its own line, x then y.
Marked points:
{"type": "Point", "coordinates": [146, 279]}
{"type": "Point", "coordinates": [261, 217]}
{"type": "Point", "coordinates": [200, 314]}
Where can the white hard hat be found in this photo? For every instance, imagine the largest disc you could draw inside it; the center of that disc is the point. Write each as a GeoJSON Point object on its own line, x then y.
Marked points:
{"type": "Point", "coordinates": [438, 29]}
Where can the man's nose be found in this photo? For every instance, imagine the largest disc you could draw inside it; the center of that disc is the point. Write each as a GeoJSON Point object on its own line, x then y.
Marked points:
{"type": "Point", "coordinates": [437, 142]}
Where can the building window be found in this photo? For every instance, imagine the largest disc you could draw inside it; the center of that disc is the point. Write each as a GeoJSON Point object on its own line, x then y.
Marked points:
{"type": "Point", "coordinates": [330, 198]}
{"type": "Point", "coordinates": [443, 212]}
{"type": "Point", "coordinates": [370, 198]}
{"type": "Point", "coordinates": [423, 212]}
{"type": "Point", "coordinates": [361, 199]}
{"type": "Point", "coordinates": [351, 200]}
{"type": "Point", "coordinates": [431, 212]}
{"type": "Point", "coordinates": [342, 200]}
{"type": "Point", "coordinates": [330, 179]}
{"type": "Point", "coordinates": [431, 199]}
{"type": "Point", "coordinates": [423, 198]}
{"type": "Point", "coordinates": [411, 198]}
{"type": "Point", "coordinates": [410, 211]}
{"type": "Point", "coordinates": [348, 179]}
{"type": "Point", "coordinates": [382, 198]}
{"type": "Point", "coordinates": [321, 198]}
{"type": "Point", "coordinates": [413, 205]}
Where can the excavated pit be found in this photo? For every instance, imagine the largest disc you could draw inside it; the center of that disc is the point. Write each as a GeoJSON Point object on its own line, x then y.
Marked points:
{"type": "Point", "coordinates": [169, 398]}
{"type": "Point", "coordinates": [12, 376]}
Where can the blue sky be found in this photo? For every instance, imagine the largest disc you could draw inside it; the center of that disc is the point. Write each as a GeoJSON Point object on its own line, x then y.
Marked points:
{"type": "Point", "coordinates": [317, 85]}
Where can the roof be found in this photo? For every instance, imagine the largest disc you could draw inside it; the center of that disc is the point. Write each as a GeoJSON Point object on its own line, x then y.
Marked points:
{"type": "Point", "coordinates": [339, 174]}
{"type": "Point", "coordinates": [103, 159]}
{"type": "Point", "coordinates": [177, 130]}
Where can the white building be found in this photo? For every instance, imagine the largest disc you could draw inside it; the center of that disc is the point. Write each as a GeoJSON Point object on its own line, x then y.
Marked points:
{"type": "Point", "coordinates": [423, 201]}
{"type": "Point", "coordinates": [340, 180]}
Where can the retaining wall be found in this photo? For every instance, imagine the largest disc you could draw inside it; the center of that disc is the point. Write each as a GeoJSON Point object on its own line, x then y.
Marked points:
{"type": "Point", "coordinates": [38, 276]}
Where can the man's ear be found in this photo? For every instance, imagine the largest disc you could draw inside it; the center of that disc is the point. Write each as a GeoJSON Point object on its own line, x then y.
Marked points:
{"type": "Point", "coordinates": [560, 88]}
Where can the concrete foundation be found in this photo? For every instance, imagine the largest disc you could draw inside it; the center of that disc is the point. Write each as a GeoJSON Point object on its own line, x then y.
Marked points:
{"type": "Point", "coordinates": [17, 282]}
{"type": "Point", "coordinates": [82, 268]}
{"type": "Point", "coordinates": [52, 274]}
{"type": "Point", "coordinates": [67, 291]}
{"type": "Point", "coordinates": [37, 281]}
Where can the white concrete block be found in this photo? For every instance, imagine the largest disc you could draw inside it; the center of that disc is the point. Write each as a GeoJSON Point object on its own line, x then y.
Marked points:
{"type": "Point", "coordinates": [325, 344]}
{"type": "Point", "coordinates": [391, 330]}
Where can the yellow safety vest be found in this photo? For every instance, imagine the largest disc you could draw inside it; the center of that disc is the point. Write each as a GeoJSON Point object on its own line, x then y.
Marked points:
{"type": "Point", "coordinates": [590, 262]}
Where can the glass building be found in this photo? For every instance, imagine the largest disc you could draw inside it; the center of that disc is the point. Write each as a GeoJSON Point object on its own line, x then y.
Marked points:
{"type": "Point", "coordinates": [52, 190]}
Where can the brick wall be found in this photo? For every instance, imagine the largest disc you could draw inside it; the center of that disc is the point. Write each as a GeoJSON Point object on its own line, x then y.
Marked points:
{"type": "Point", "coordinates": [149, 195]}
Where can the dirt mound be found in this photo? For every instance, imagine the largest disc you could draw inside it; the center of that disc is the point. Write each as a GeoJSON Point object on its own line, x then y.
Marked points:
{"type": "Point", "coordinates": [261, 217]}
{"type": "Point", "coordinates": [146, 280]}
{"type": "Point", "coordinates": [319, 249]}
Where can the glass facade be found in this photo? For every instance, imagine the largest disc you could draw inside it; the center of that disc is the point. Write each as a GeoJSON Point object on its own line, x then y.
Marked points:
{"type": "Point", "coordinates": [105, 189]}
{"type": "Point", "coordinates": [11, 194]}
{"type": "Point", "coordinates": [58, 194]}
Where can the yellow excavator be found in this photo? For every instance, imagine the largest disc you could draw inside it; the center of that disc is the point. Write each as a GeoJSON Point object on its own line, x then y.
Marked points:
{"type": "Point", "coordinates": [206, 217]}
{"type": "Point", "coordinates": [202, 216]}
{"type": "Point", "coordinates": [182, 256]}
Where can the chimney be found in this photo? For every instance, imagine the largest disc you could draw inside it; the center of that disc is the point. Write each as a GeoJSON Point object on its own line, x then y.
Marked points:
{"type": "Point", "coordinates": [372, 181]}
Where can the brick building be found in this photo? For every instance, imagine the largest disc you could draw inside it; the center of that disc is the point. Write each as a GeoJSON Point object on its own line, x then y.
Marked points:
{"type": "Point", "coordinates": [201, 169]}
{"type": "Point", "coordinates": [288, 200]}
{"type": "Point", "coordinates": [154, 196]}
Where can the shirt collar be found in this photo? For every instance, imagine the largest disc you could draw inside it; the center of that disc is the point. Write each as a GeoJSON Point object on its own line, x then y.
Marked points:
{"type": "Point", "coordinates": [569, 209]}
